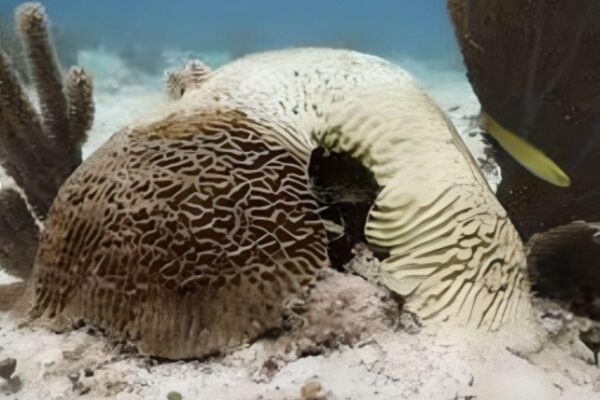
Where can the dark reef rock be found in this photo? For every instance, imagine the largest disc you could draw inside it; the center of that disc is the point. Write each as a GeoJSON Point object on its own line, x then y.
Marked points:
{"type": "Point", "coordinates": [7, 368]}
{"type": "Point", "coordinates": [535, 67]}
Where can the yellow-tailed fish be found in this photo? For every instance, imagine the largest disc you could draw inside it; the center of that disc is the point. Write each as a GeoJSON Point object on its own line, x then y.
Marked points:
{"type": "Point", "coordinates": [533, 159]}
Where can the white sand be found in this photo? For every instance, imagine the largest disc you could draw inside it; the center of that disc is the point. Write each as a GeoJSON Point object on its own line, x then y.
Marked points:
{"type": "Point", "coordinates": [403, 361]}
{"type": "Point", "coordinates": [387, 359]}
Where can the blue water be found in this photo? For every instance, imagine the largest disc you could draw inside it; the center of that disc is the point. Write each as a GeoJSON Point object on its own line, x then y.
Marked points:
{"type": "Point", "coordinates": [417, 28]}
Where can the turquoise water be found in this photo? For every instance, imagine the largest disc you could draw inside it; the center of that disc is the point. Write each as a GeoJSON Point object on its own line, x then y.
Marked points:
{"type": "Point", "coordinates": [142, 29]}
{"type": "Point", "coordinates": [126, 45]}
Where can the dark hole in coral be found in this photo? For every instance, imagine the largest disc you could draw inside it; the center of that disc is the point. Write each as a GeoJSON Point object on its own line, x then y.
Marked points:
{"type": "Point", "coordinates": [564, 264]}
{"type": "Point", "coordinates": [346, 189]}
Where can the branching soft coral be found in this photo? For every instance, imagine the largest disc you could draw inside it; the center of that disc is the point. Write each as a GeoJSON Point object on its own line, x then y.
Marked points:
{"type": "Point", "coordinates": [18, 234]}
{"type": "Point", "coordinates": [39, 150]}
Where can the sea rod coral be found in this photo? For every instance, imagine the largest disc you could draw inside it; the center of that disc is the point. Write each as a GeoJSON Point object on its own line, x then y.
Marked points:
{"type": "Point", "coordinates": [37, 150]}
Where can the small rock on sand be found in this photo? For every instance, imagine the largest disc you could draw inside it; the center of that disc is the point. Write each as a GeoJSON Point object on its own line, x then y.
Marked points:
{"type": "Point", "coordinates": [312, 390]}
{"type": "Point", "coordinates": [7, 368]}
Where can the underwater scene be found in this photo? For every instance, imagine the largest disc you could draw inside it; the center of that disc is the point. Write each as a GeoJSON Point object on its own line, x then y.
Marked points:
{"type": "Point", "coordinates": [317, 200]}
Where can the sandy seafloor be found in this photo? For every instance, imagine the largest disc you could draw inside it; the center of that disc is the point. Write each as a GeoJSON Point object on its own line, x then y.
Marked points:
{"type": "Point", "coordinates": [398, 359]}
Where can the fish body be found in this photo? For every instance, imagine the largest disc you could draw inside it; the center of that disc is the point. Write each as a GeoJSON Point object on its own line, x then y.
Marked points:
{"type": "Point", "coordinates": [533, 159]}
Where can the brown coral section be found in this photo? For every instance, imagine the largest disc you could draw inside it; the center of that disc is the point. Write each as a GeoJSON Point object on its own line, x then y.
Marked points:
{"type": "Point", "coordinates": [186, 236]}
{"type": "Point", "coordinates": [79, 90]}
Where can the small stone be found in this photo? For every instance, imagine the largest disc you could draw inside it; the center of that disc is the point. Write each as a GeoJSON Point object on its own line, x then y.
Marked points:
{"type": "Point", "coordinates": [75, 354]}
{"type": "Point", "coordinates": [409, 323]}
{"type": "Point", "coordinates": [69, 355]}
{"type": "Point", "coordinates": [591, 338]}
{"type": "Point", "coordinates": [84, 390]}
{"type": "Point", "coordinates": [312, 390]}
{"type": "Point", "coordinates": [174, 396]}
{"type": "Point", "coordinates": [74, 377]}
{"type": "Point", "coordinates": [12, 386]}
{"type": "Point", "coordinates": [7, 368]}
{"type": "Point", "coordinates": [270, 367]}
{"type": "Point", "coordinates": [88, 372]}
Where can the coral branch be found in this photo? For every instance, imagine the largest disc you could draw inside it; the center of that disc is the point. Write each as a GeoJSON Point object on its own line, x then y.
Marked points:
{"type": "Point", "coordinates": [79, 89]}
{"type": "Point", "coordinates": [38, 151]}
{"type": "Point", "coordinates": [17, 108]}
{"type": "Point", "coordinates": [45, 71]}
{"type": "Point", "coordinates": [21, 139]}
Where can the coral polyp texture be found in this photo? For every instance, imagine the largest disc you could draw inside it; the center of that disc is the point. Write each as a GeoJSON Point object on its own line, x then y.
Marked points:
{"type": "Point", "coordinates": [191, 238]}
{"type": "Point", "coordinates": [38, 150]}
{"type": "Point", "coordinates": [192, 234]}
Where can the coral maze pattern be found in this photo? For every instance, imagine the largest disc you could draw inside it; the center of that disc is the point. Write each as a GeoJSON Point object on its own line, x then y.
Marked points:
{"type": "Point", "coordinates": [451, 253]}
{"type": "Point", "coordinates": [190, 235]}
{"type": "Point", "coordinates": [190, 238]}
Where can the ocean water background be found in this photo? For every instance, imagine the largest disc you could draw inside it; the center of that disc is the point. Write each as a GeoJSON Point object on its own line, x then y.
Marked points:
{"type": "Point", "coordinates": [151, 35]}
{"type": "Point", "coordinates": [144, 27]}
{"type": "Point", "coordinates": [128, 44]}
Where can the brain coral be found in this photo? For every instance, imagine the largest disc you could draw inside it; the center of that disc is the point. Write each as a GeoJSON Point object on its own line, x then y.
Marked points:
{"type": "Point", "coordinates": [190, 237]}
{"type": "Point", "coordinates": [190, 234]}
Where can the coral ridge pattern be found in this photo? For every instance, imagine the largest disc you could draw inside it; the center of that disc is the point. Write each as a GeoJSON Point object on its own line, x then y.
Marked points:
{"type": "Point", "coordinates": [192, 233]}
